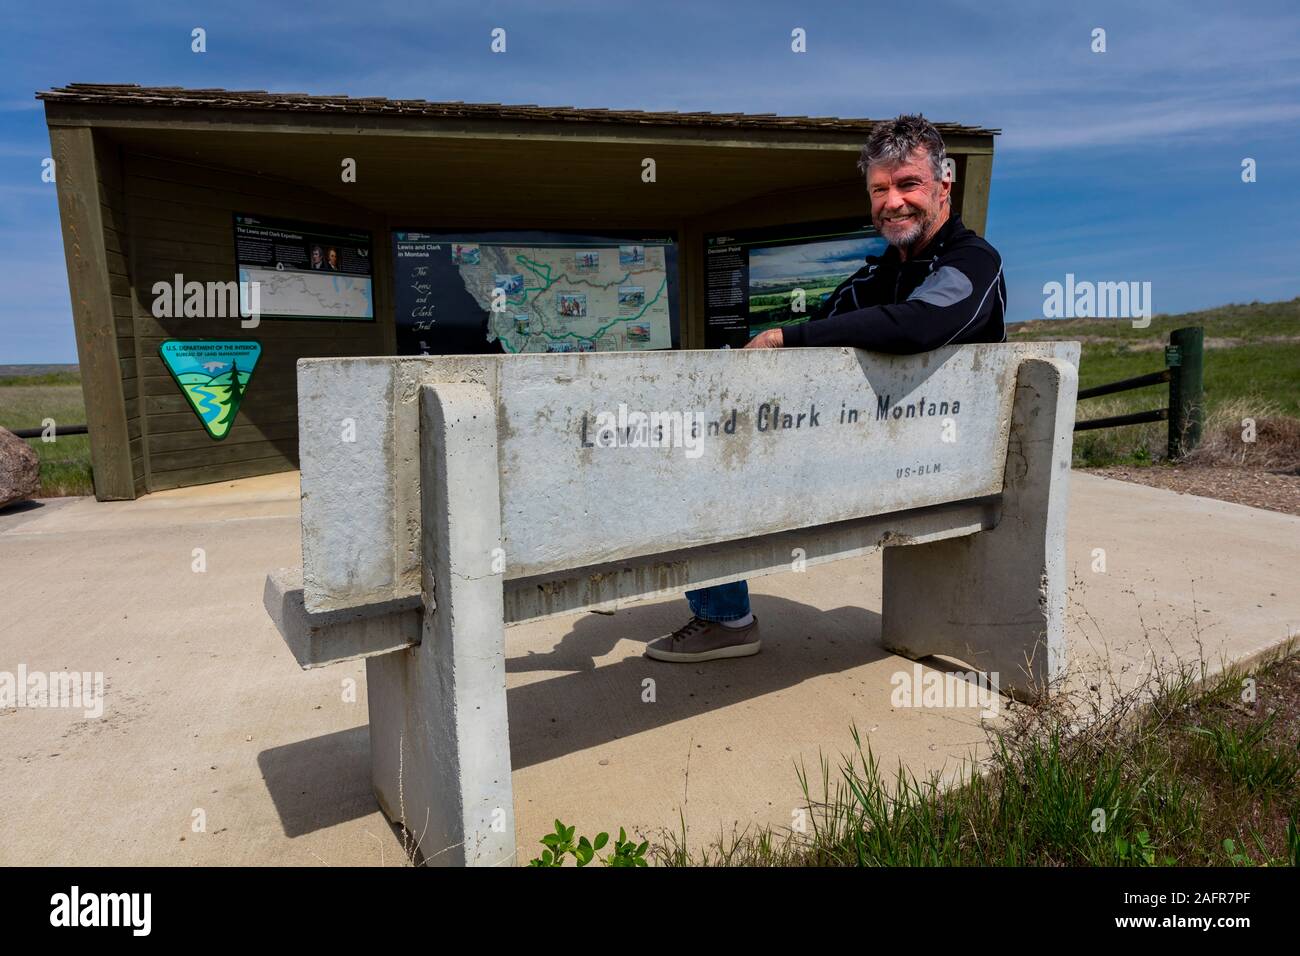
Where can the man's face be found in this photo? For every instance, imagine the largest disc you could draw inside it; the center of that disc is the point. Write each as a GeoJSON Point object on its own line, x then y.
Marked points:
{"type": "Point", "coordinates": [334, 258]}
{"type": "Point", "coordinates": [906, 199]}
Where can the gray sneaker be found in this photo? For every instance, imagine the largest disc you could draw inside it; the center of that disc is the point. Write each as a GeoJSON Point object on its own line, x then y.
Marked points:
{"type": "Point", "coordinates": [706, 641]}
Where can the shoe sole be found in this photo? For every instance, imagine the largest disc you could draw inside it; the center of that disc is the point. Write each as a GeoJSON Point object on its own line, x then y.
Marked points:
{"type": "Point", "coordinates": [678, 657]}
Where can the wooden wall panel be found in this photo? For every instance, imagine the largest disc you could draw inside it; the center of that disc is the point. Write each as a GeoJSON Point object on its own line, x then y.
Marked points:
{"type": "Point", "coordinates": [181, 221]}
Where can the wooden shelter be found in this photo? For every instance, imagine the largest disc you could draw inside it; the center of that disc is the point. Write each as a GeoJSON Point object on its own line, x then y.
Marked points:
{"type": "Point", "coordinates": [150, 178]}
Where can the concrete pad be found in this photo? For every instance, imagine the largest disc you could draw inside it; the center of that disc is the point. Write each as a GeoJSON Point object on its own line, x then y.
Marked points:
{"type": "Point", "coordinates": [206, 708]}
{"type": "Point", "coordinates": [245, 499]}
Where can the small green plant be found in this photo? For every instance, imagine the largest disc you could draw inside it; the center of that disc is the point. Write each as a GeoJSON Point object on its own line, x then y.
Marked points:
{"type": "Point", "coordinates": [1246, 757]}
{"type": "Point", "coordinates": [1139, 852]}
{"type": "Point", "coordinates": [1237, 857]}
{"type": "Point", "coordinates": [560, 844]}
{"type": "Point", "coordinates": [627, 852]}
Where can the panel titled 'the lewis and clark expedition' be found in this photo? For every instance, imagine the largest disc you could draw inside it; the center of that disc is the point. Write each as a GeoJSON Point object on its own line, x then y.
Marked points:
{"type": "Point", "coordinates": [303, 271]}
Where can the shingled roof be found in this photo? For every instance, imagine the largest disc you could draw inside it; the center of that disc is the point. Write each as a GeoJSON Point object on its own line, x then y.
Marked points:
{"type": "Point", "coordinates": [129, 94]}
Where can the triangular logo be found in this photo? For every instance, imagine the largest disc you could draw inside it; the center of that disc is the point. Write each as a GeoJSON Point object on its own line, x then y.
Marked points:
{"type": "Point", "coordinates": [213, 377]}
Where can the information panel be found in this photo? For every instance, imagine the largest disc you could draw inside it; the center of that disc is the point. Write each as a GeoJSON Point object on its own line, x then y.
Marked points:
{"type": "Point", "coordinates": [751, 277]}
{"type": "Point", "coordinates": [303, 271]}
{"type": "Point", "coordinates": [531, 291]}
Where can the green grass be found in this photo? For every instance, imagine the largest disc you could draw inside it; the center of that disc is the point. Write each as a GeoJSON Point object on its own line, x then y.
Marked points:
{"type": "Point", "coordinates": [45, 378]}
{"type": "Point", "coordinates": [1252, 354]}
{"type": "Point", "coordinates": [1192, 777]}
{"type": "Point", "coordinates": [25, 402]}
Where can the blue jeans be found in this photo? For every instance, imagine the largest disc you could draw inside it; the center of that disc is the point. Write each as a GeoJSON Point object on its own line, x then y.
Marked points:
{"type": "Point", "coordinates": [722, 602]}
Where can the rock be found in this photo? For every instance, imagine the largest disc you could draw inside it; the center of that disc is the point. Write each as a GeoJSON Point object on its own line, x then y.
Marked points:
{"type": "Point", "coordinates": [20, 469]}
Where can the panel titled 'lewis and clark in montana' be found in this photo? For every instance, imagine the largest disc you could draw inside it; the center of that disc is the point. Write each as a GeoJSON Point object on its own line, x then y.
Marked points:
{"type": "Point", "coordinates": [646, 454]}
{"type": "Point", "coordinates": [534, 291]}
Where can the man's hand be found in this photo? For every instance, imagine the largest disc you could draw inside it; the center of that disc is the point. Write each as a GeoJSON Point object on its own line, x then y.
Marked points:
{"type": "Point", "coordinates": [771, 339]}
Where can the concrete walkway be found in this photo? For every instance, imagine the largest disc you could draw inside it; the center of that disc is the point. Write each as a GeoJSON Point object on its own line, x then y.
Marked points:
{"type": "Point", "coordinates": [207, 716]}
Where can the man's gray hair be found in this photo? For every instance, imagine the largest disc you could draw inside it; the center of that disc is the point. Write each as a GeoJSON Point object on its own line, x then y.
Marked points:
{"type": "Point", "coordinates": [893, 141]}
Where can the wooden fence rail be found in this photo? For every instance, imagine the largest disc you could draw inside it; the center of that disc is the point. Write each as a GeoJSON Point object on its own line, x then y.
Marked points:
{"type": "Point", "coordinates": [1184, 371]}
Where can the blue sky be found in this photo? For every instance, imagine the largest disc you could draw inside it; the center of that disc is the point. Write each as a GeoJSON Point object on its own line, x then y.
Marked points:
{"type": "Point", "coordinates": [1117, 166]}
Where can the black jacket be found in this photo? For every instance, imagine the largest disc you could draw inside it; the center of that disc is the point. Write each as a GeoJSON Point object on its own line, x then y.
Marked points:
{"type": "Point", "coordinates": [952, 294]}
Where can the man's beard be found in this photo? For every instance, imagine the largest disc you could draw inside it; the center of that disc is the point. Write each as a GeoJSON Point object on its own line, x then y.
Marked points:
{"type": "Point", "coordinates": [921, 223]}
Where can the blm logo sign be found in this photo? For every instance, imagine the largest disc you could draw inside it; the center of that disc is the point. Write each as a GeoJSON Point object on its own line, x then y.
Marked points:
{"type": "Point", "coordinates": [213, 377]}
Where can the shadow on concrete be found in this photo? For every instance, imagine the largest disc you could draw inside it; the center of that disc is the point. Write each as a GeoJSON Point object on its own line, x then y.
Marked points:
{"type": "Point", "coordinates": [325, 781]}
{"type": "Point", "coordinates": [590, 706]}
{"type": "Point", "coordinates": [321, 782]}
{"type": "Point", "coordinates": [16, 512]}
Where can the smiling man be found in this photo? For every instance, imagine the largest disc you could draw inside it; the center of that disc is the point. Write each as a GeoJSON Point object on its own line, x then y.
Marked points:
{"type": "Point", "coordinates": [937, 284]}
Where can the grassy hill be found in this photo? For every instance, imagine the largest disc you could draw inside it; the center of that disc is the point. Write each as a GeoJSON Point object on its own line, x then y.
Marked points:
{"type": "Point", "coordinates": [1252, 370]}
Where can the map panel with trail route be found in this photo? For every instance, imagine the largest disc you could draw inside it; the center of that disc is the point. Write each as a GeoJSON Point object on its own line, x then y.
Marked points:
{"type": "Point", "coordinates": [533, 293]}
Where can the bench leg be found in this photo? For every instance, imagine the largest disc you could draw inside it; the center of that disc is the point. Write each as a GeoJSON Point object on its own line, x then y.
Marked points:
{"type": "Point", "coordinates": [439, 738]}
{"type": "Point", "coordinates": [996, 600]}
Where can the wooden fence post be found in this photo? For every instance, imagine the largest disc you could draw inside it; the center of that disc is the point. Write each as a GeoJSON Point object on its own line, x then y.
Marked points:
{"type": "Point", "coordinates": [1184, 356]}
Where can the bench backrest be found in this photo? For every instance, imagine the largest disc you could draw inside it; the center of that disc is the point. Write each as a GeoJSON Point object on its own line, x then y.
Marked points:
{"type": "Point", "coordinates": [745, 444]}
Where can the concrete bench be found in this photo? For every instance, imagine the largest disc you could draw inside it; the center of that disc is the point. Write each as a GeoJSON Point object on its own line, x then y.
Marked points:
{"type": "Point", "coordinates": [445, 497]}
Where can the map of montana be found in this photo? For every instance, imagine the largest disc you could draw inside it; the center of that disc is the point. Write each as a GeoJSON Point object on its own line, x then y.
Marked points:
{"type": "Point", "coordinates": [309, 294]}
{"type": "Point", "coordinates": [569, 299]}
